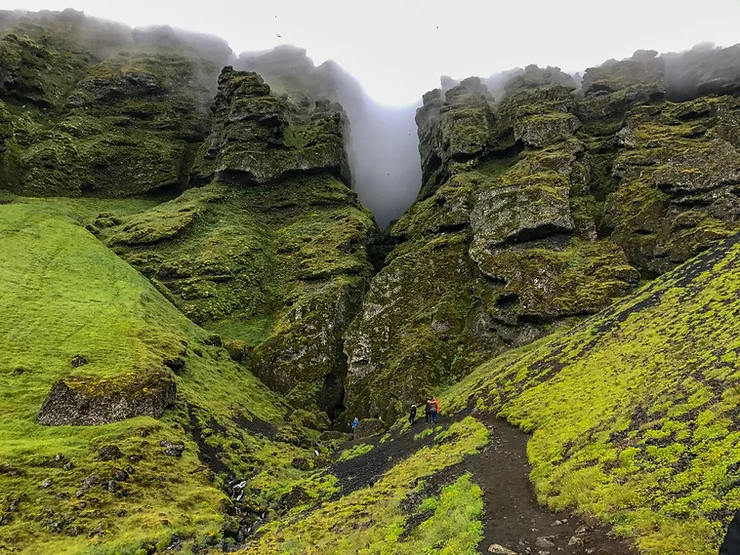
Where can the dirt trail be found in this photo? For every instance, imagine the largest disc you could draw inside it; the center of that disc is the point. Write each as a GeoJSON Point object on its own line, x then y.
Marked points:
{"type": "Point", "coordinates": [512, 517]}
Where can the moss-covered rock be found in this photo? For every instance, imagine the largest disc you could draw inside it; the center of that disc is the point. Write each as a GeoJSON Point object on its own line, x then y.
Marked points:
{"type": "Point", "coordinates": [260, 138]}
{"type": "Point", "coordinates": [91, 116]}
{"type": "Point", "coordinates": [81, 400]}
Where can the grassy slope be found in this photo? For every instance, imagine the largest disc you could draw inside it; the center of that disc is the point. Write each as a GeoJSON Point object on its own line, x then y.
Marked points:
{"type": "Point", "coordinates": [62, 293]}
{"type": "Point", "coordinates": [634, 412]}
{"type": "Point", "coordinates": [372, 519]}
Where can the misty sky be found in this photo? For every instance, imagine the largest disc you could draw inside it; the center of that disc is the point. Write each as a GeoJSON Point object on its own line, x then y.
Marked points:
{"type": "Point", "coordinates": [399, 48]}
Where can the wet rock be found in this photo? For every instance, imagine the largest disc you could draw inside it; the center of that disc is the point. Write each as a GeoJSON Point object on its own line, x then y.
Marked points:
{"type": "Point", "coordinates": [109, 453]}
{"type": "Point", "coordinates": [79, 360]}
{"type": "Point", "coordinates": [543, 542]}
{"type": "Point", "coordinates": [172, 449]}
{"type": "Point", "coordinates": [497, 549]}
{"type": "Point", "coordinates": [89, 400]}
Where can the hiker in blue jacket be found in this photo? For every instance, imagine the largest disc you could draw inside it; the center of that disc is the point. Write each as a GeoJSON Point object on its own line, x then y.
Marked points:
{"type": "Point", "coordinates": [355, 423]}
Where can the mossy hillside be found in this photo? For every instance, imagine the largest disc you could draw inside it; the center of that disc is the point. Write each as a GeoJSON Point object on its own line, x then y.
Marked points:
{"type": "Point", "coordinates": [633, 411]}
{"type": "Point", "coordinates": [281, 268]}
{"type": "Point", "coordinates": [64, 296]}
{"type": "Point", "coordinates": [372, 519]}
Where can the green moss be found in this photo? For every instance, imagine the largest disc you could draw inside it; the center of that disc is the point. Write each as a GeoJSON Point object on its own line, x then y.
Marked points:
{"type": "Point", "coordinates": [627, 411]}
{"type": "Point", "coordinates": [356, 451]}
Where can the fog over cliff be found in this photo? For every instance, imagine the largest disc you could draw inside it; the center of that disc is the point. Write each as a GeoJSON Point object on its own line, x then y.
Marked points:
{"type": "Point", "coordinates": [383, 144]}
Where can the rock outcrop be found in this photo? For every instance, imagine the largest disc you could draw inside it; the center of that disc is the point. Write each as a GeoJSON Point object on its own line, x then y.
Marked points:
{"type": "Point", "coordinates": [91, 401]}
{"type": "Point", "coordinates": [537, 210]}
{"type": "Point", "coordinates": [260, 138]}
{"type": "Point", "coordinates": [101, 110]}
{"type": "Point", "coordinates": [274, 250]}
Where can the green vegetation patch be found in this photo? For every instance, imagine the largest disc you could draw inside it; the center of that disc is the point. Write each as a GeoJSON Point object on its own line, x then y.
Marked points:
{"type": "Point", "coordinates": [371, 519]}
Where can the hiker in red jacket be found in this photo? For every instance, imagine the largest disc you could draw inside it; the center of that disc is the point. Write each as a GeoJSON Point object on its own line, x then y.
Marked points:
{"type": "Point", "coordinates": [433, 410]}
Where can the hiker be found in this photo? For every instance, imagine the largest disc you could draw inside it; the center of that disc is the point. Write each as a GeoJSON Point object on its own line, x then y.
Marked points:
{"type": "Point", "coordinates": [731, 545]}
{"type": "Point", "coordinates": [412, 415]}
{"type": "Point", "coordinates": [433, 409]}
{"type": "Point", "coordinates": [355, 423]}
{"type": "Point", "coordinates": [436, 405]}
{"type": "Point", "coordinates": [428, 410]}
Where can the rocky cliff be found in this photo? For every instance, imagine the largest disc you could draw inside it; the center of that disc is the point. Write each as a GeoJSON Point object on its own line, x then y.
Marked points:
{"type": "Point", "coordinates": [541, 207]}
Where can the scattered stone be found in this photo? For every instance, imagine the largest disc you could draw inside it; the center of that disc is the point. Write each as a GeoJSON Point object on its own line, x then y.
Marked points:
{"type": "Point", "coordinates": [172, 449]}
{"type": "Point", "coordinates": [79, 360]}
{"type": "Point", "coordinates": [213, 339]}
{"type": "Point", "coordinates": [109, 453]}
{"type": "Point", "coordinates": [498, 549]}
{"type": "Point", "coordinates": [121, 475]}
{"type": "Point", "coordinates": [300, 463]}
{"type": "Point", "coordinates": [45, 484]}
{"type": "Point", "coordinates": [543, 543]}
{"type": "Point", "coordinates": [68, 466]}
{"type": "Point", "coordinates": [130, 470]}
{"type": "Point", "coordinates": [7, 470]}
{"type": "Point", "coordinates": [87, 483]}
{"type": "Point", "coordinates": [63, 496]}
{"type": "Point", "coordinates": [135, 458]}
{"type": "Point", "coordinates": [99, 531]}
{"type": "Point", "coordinates": [575, 541]}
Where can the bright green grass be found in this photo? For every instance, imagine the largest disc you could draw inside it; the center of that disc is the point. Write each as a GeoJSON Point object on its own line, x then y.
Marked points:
{"type": "Point", "coordinates": [62, 293]}
{"type": "Point", "coordinates": [634, 411]}
{"type": "Point", "coordinates": [356, 451]}
{"type": "Point", "coordinates": [370, 520]}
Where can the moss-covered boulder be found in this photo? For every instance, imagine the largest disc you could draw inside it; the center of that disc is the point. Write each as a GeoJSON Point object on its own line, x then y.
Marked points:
{"type": "Point", "coordinates": [80, 400]}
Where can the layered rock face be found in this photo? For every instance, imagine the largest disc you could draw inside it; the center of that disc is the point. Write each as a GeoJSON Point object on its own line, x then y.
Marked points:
{"type": "Point", "coordinates": [99, 109]}
{"type": "Point", "coordinates": [537, 210]}
{"type": "Point", "coordinates": [260, 138]}
{"type": "Point", "coordinates": [273, 252]}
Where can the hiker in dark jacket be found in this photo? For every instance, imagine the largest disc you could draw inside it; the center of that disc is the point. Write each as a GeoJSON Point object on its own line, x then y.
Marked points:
{"type": "Point", "coordinates": [731, 545]}
{"type": "Point", "coordinates": [412, 415]}
{"type": "Point", "coordinates": [428, 410]}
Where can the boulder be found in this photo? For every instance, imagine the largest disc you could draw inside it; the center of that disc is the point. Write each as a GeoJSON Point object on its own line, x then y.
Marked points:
{"type": "Point", "coordinates": [370, 427]}
{"type": "Point", "coordinates": [90, 400]}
